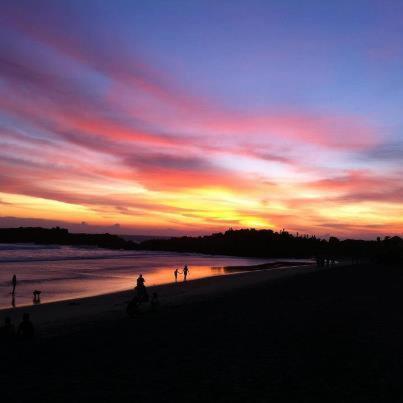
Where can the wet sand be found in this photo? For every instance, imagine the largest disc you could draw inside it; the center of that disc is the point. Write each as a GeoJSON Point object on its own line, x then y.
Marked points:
{"type": "Point", "coordinates": [57, 317]}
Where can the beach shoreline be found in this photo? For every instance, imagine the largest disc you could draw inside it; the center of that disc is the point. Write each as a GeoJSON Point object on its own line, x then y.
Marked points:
{"type": "Point", "coordinates": [57, 317]}
{"type": "Point", "coordinates": [70, 273]}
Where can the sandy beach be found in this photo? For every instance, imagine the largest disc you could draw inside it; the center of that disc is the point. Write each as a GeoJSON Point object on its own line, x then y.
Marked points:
{"type": "Point", "coordinates": [59, 317]}
{"type": "Point", "coordinates": [330, 335]}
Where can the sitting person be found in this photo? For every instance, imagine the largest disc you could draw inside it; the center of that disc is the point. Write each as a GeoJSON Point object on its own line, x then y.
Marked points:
{"type": "Point", "coordinates": [141, 290]}
{"type": "Point", "coordinates": [140, 281]}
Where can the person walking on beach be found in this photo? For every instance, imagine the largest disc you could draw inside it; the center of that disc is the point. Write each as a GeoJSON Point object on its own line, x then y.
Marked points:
{"type": "Point", "coordinates": [176, 272]}
{"type": "Point", "coordinates": [14, 283]}
{"type": "Point", "coordinates": [185, 272]}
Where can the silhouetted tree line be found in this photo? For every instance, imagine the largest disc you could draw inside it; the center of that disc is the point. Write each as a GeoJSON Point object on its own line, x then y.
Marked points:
{"type": "Point", "coordinates": [270, 244]}
{"type": "Point", "coordinates": [61, 236]}
{"type": "Point", "coordinates": [243, 243]}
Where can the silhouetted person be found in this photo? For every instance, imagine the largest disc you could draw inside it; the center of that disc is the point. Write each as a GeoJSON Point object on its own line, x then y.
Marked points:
{"type": "Point", "coordinates": [155, 302]}
{"type": "Point", "coordinates": [13, 300]}
{"type": "Point", "coordinates": [141, 289]}
{"type": "Point", "coordinates": [140, 281]}
{"type": "Point", "coordinates": [7, 331]}
{"type": "Point", "coordinates": [26, 329]}
{"type": "Point", "coordinates": [14, 283]}
{"type": "Point", "coordinates": [132, 306]}
{"type": "Point", "coordinates": [176, 272]}
{"type": "Point", "coordinates": [185, 272]}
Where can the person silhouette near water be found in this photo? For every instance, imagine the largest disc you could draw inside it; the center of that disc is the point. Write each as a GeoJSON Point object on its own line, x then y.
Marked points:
{"type": "Point", "coordinates": [185, 272]}
{"type": "Point", "coordinates": [26, 329]}
{"type": "Point", "coordinates": [176, 272]}
{"type": "Point", "coordinates": [14, 283]}
{"type": "Point", "coordinates": [141, 289]}
{"type": "Point", "coordinates": [140, 281]}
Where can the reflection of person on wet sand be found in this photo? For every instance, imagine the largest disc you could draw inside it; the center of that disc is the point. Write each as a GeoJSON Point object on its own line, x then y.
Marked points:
{"type": "Point", "coordinates": [14, 283]}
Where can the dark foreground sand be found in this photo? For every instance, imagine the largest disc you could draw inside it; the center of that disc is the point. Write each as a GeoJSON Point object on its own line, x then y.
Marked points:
{"type": "Point", "coordinates": [333, 335]}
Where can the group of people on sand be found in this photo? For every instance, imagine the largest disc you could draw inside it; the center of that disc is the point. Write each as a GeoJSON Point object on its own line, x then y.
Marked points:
{"type": "Point", "coordinates": [25, 330]}
{"type": "Point", "coordinates": [185, 273]}
{"type": "Point", "coordinates": [141, 295]}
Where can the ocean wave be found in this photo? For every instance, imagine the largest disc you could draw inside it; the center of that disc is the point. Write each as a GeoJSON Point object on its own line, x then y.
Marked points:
{"type": "Point", "coordinates": [98, 256]}
{"type": "Point", "coordinates": [27, 247]}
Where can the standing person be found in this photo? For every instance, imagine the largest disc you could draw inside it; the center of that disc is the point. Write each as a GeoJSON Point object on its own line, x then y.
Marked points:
{"type": "Point", "coordinates": [185, 272]}
{"type": "Point", "coordinates": [14, 283]}
{"type": "Point", "coordinates": [176, 272]}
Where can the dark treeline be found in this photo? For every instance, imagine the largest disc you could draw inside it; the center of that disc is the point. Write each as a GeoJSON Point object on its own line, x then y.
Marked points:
{"type": "Point", "coordinates": [61, 236]}
{"type": "Point", "coordinates": [243, 243]}
{"type": "Point", "coordinates": [270, 244]}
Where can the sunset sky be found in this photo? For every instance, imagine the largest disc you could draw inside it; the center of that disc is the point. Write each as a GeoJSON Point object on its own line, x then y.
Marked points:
{"type": "Point", "coordinates": [187, 117]}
